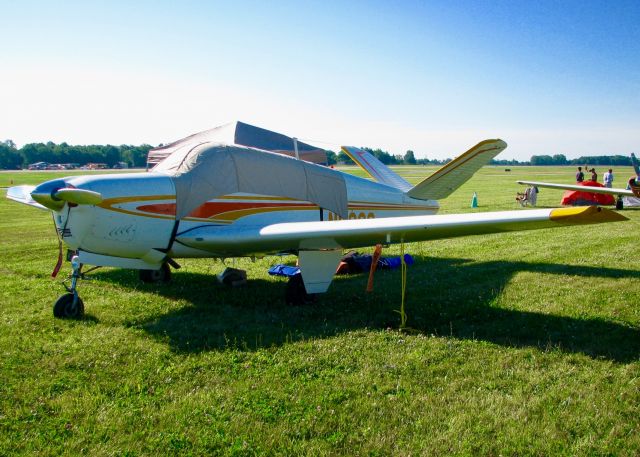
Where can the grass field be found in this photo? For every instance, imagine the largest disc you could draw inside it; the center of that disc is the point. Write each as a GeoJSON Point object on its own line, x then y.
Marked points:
{"type": "Point", "coordinates": [523, 344]}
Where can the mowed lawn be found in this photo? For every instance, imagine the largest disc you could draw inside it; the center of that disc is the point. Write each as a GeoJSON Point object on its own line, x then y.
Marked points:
{"type": "Point", "coordinates": [522, 344]}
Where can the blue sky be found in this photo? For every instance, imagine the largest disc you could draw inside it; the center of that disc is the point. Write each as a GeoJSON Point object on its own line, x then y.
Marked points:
{"type": "Point", "coordinates": [435, 77]}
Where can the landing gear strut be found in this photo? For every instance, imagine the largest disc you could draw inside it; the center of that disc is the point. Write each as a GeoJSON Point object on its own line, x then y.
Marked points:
{"type": "Point", "coordinates": [70, 305]}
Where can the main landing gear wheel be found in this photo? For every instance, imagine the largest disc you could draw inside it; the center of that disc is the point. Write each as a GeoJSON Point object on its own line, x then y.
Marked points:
{"type": "Point", "coordinates": [156, 276]}
{"type": "Point", "coordinates": [68, 306]}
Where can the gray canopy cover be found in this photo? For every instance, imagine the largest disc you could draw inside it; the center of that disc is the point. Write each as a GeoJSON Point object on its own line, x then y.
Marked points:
{"type": "Point", "coordinates": [242, 134]}
{"type": "Point", "coordinates": [204, 171]}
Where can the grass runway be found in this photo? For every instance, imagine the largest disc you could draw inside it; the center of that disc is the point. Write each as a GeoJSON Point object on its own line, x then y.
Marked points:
{"type": "Point", "coordinates": [525, 344]}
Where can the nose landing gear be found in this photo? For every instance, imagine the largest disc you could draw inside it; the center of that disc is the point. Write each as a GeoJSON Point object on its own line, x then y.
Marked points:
{"type": "Point", "coordinates": [70, 305]}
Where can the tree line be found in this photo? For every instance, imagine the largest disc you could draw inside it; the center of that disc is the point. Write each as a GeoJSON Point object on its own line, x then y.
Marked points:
{"type": "Point", "coordinates": [560, 159]}
{"type": "Point", "coordinates": [557, 159]}
{"type": "Point", "coordinates": [408, 158]}
{"type": "Point", "coordinates": [12, 158]}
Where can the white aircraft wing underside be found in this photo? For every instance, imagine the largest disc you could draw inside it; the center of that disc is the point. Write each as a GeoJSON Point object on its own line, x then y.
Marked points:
{"type": "Point", "coordinates": [367, 232]}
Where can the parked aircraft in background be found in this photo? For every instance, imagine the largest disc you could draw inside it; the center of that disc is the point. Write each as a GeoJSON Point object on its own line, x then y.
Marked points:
{"type": "Point", "coordinates": [208, 199]}
{"type": "Point", "coordinates": [632, 190]}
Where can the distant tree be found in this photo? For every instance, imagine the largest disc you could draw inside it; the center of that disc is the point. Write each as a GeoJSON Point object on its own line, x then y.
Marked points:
{"type": "Point", "coordinates": [9, 143]}
{"type": "Point", "coordinates": [409, 158]}
{"type": "Point", "coordinates": [383, 156]}
{"type": "Point", "coordinates": [559, 159]}
{"type": "Point", "coordinates": [427, 161]}
{"type": "Point", "coordinates": [35, 152]}
{"type": "Point", "coordinates": [135, 156]}
{"type": "Point", "coordinates": [508, 162]}
{"type": "Point", "coordinates": [332, 158]}
{"type": "Point", "coordinates": [542, 160]}
{"type": "Point", "coordinates": [618, 160]}
{"type": "Point", "coordinates": [10, 159]}
{"type": "Point", "coordinates": [61, 152]}
{"type": "Point", "coordinates": [111, 155]}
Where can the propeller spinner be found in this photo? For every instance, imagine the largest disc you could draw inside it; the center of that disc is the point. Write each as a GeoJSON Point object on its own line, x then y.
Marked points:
{"type": "Point", "coordinates": [53, 194]}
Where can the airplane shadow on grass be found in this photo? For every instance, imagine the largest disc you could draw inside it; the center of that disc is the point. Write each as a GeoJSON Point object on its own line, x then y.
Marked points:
{"type": "Point", "coordinates": [446, 297]}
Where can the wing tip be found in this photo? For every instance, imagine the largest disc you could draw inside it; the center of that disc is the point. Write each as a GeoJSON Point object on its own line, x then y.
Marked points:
{"type": "Point", "coordinates": [585, 215]}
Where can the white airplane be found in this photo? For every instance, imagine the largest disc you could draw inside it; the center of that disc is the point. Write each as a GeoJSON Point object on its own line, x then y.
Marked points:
{"type": "Point", "coordinates": [632, 190]}
{"type": "Point", "coordinates": [219, 200]}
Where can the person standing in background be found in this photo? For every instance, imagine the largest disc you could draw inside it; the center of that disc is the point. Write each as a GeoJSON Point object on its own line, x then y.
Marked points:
{"type": "Point", "coordinates": [579, 175]}
{"type": "Point", "coordinates": [608, 178]}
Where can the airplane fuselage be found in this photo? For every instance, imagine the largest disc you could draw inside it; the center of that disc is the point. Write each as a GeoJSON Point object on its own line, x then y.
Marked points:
{"type": "Point", "coordinates": [137, 216]}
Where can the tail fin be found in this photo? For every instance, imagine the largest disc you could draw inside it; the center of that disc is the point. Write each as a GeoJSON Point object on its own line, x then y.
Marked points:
{"type": "Point", "coordinates": [447, 179]}
{"type": "Point", "coordinates": [634, 163]}
{"type": "Point", "coordinates": [376, 169]}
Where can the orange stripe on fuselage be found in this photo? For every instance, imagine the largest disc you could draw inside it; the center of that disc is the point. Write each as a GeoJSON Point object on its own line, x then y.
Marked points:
{"type": "Point", "coordinates": [228, 209]}
{"type": "Point", "coordinates": [218, 210]}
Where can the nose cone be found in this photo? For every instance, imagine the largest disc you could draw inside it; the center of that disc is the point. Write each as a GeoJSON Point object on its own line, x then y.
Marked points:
{"type": "Point", "coordinates": [44, 194]}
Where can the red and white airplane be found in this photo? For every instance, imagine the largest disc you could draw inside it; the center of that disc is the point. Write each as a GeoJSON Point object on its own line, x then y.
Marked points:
{"type": "Point", "coordinates": [217, 200]}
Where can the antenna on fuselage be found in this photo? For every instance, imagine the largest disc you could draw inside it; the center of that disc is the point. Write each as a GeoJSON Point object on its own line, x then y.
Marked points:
{"type": "Point", "coordinates": [295, 147]}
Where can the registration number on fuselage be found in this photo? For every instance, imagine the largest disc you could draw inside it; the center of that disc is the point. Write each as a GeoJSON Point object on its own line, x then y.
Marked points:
{"type": "Point", "coordinates": [352, 215]}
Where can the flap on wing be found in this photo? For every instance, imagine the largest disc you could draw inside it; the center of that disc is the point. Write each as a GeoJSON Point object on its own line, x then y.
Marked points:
{"type": "Point", "coordinates": [376, 169]}
{"type": "Point", "coordinates": [447, 179]}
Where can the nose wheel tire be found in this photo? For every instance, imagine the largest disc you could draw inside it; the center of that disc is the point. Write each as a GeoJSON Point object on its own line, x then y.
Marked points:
{"type": "Point", "coordinates": [68, 306]}
{"type": "Point", "coordinates": [156, 276]}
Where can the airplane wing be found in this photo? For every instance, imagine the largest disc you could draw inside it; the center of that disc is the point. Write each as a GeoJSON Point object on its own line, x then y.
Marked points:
{"type": "Point", "coordinates": [352, 233]}
{"type": "Point", "coordinates": [592, 189]}
{"type": "Point", "coordinates": [447, 179]}
{"type": "Point", "coordinates": [22, 194]}
{"type": "Point", "coordinates": [376, 169]}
